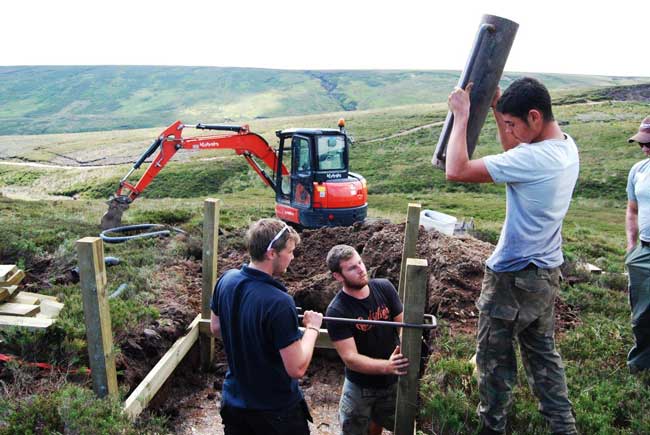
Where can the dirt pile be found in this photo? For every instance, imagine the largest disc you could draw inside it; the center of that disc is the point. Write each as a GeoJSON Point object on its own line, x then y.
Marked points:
{"type": "Point", "coordinates": [455, 268]}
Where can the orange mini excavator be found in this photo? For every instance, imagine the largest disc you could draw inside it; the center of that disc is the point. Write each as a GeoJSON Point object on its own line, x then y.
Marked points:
{"type": "Point", "coordinates": [309, 171]}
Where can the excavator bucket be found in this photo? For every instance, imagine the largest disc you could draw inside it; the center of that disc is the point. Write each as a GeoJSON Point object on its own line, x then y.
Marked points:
{"type": "Point", "coordinates": [113, 217]}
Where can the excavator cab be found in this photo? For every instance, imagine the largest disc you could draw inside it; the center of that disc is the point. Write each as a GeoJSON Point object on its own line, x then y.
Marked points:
{"type": "Point", "coordinates": [319, 190]}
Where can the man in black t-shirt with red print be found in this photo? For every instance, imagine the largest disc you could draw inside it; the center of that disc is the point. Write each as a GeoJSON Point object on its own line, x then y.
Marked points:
{"type": "Point", "coordinates": [371, 353]}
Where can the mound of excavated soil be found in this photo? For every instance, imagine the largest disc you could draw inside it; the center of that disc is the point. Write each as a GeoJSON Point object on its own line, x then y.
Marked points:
{"type": "Point", "coordinates": [455, 268]}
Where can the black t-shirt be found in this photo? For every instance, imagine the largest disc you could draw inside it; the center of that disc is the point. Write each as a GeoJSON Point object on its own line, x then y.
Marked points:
{"type": "Point", "coordinates": [372, 340]}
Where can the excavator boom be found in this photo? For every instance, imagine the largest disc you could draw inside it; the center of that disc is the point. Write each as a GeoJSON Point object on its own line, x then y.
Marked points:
{"type": "Point", "coordinates": [239, 139]}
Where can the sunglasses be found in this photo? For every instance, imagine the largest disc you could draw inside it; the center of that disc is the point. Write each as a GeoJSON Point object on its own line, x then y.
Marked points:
{"type": "Point", "coordinates": [644, 144]}
{"type": "Point", "coordinates": [277, 236]}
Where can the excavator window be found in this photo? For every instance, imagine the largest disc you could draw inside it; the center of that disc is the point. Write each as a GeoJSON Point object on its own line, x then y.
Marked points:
{"type": "Point", "coordinates": [303, 163]}
{"type": "Point", "coordinates": [330, 153]}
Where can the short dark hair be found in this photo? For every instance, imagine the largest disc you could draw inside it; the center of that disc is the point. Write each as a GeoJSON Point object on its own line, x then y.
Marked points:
{"type": "Point", "coordinates": [260, 234]}
{"type": "Point", "coordinates": [337, 254]}
{"type": "Point", "coordinates": [524, 95]}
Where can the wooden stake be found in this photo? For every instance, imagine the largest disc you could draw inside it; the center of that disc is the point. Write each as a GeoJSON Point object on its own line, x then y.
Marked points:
{"type": "Point", "coordinates": [210, 250]}
{"type": "Point", "coordinates": [415, 291]}
{"type": "Point", "coordinates": [410, 242]}
{"type": "Point", "coordinates": [92, 277]}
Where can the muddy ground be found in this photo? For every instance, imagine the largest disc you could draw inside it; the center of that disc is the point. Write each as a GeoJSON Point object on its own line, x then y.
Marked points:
{"type": "Point", "coordinates": [455, 275]}
{"type": "Point", "coordinates": [189, 399]}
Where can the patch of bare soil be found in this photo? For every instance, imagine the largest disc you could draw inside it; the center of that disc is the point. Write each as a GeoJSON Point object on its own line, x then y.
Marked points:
{"type": "Point", "coordinates": [627, 93]}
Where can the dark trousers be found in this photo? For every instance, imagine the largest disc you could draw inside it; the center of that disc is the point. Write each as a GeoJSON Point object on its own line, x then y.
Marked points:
{"type": "Point", "coordinates": [289, 421]}
{"type": "Point", "coordinates": [637, 263]}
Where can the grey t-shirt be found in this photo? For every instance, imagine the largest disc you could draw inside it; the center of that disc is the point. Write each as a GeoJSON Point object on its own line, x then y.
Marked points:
{"type": "Point", "coordinates": [539, 178]}
{"type": "Point", "coordinates": [638, 190]}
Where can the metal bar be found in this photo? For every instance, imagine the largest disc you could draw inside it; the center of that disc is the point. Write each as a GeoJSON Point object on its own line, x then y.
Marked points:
{"type": "Point", "coordinates": [433, 325]}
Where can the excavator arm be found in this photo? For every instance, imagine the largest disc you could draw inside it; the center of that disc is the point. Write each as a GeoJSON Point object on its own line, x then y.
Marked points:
{"type": "Point", "coordinates": [239, 139]}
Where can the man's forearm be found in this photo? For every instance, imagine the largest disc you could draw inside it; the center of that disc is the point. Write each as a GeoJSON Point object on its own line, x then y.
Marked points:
{"type": "Point", "coordinates": [507, 141]}
{"type": "Point", "coordinates": [457, 157]}
{"type": "Point", "coordinates": [307, 344]}
{"type": "Point", "coordinates": [631, 230]}
{"type": "Point", "coordinates": [365, 364]}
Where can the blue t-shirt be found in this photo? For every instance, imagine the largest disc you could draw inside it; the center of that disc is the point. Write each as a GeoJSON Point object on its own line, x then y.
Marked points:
{"type": "Point", "coordinates": [253, 331]}
{"type": "Point", "coordinates": [539, 178]}
{"type": "Point", "coordinates": [638, 190]}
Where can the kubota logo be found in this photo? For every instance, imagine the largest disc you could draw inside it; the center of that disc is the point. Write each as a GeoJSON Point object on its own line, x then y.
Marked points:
{"type": "Point", "coordinates": [333, 175]}
{"type": "Point", "coordinates": [208, 144]}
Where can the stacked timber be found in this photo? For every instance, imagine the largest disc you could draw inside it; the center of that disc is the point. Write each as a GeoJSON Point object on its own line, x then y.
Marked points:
{"type": "Point", "coordinates": [20, 308]}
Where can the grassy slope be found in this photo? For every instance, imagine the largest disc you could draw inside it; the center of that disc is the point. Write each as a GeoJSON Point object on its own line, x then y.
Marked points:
{"type": "Point", "coordinates": [607, 400]}
{"type": "Point", "coordinates": [51, 99]}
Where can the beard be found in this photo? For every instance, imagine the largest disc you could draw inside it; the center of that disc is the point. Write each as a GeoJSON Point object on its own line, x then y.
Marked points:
{"type": "Point", "coordinates": [277, 267]}
{"type": "Point", "coordinates": [355, 285]}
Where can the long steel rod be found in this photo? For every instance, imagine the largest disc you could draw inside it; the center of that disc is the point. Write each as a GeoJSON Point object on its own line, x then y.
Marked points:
{"type": "Point", "coordinates": [433, 325]}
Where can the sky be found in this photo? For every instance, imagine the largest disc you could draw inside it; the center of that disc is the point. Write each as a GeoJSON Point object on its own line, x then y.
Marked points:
{"type": "Point", "coordinates": [557, 36]}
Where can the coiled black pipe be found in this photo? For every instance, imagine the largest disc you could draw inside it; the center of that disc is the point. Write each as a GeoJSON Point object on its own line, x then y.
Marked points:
{"type": "Point", "coordinates": [107, 238]}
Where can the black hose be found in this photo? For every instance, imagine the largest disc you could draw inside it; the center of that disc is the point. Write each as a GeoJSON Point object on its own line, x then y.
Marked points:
{"type": "Point", "coordinates": [104, 235]}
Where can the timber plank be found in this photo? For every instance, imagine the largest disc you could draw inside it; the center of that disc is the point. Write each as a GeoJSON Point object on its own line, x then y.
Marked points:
{"type": "Point", "coordinates": [40, 296]}
{"type": "Point", "coordinates": [25, 322]}
{"type": "Point", "coordinates": [7, 292]}
{"type": "Point", "coordinates": [142, 395]}
{"type": "Point", "coordinates": [7, 270]}
{"type": "Point", "coordinates": [22, 298]}
{"type": "Point", "coordinates": [50, 308]}
{"type": "Point", "coordinates": [15, 279]}
{"type": "Point", "coordinates": [10, 309]}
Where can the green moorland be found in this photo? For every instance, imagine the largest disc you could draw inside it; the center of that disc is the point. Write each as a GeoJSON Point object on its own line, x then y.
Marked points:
{"type": "Point", "coordinates": [607, 399]}
{"type": "Point", "coordinates": [64, 99]}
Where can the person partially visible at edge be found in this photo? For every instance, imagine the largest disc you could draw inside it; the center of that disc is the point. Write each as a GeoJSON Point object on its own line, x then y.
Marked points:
{"type": "Point", "coordinates": [539, 167]}
{"type": "Point", "coordinates": [371, 353]}
{"type": "Point", "coordinates": [637, 259]}
{"type": "Point", "coordinates": [257, 321]}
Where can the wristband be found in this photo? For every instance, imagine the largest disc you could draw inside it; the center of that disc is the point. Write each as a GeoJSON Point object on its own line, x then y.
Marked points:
{"type": "Point", "coordinates": [315, 329]}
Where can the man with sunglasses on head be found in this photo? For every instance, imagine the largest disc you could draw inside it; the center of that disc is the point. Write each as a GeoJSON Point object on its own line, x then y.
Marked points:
{"type": "Point", "coordinates": [637, 258]}
{"type": "Point", "coordinates": [539, 167]}
{"type": "Point", "coordinates": [258, 324]}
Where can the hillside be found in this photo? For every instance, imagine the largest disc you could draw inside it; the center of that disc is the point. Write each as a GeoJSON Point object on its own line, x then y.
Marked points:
{"type": "Point", "coordinates": [65, 99]}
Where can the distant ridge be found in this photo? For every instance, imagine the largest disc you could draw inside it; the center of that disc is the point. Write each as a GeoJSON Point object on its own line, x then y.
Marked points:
{"type": "Point", "coordinates": [66, 99]}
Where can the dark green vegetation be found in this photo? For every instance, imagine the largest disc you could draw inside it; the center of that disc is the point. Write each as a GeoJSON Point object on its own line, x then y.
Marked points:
{"type": "Point", "coordinates": [70, 410]}
{"type": "Point", "coordinates": [607, 399]}
{"type": "Point", "coordinates": [62, 99]}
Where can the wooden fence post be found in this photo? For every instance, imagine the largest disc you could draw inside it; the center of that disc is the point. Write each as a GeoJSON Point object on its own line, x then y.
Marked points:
{"type": "Point", "coordinates": [97, 315]}
{"type": "Point", "coordinates": [415, 289]}
{"type": "Point", "coordinates": [410, 242]}
{"type": "Point", "coordinates": [210, 250]}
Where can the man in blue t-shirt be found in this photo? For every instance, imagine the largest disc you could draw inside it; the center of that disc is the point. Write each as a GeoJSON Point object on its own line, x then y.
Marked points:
{"type": "Point", "coordinates": [522, 277]}
{"type": "Point", "coordinates": [257, 321]}
{"type": "Point", "coordinates": [637, 260]}
{"type": "Point", "coordinates": [371, 353]}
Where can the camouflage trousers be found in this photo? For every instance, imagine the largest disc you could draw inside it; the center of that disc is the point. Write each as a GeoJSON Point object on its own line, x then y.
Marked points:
{"type": "Point", "coordinates": [520, 305]}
